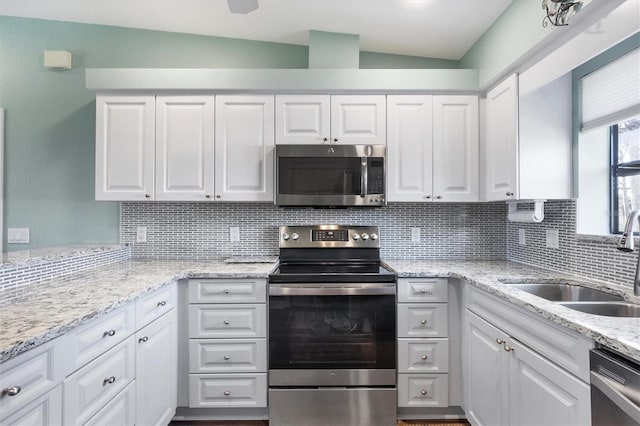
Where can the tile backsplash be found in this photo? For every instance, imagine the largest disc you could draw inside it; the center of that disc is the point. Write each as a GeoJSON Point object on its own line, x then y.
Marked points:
{"type": "Point", "coordinates": [201, 230]}
{"type": "Point", "coordinates": [580, 255]}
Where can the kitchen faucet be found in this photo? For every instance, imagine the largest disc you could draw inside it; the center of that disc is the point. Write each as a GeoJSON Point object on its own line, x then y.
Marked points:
{"type": "Point", "coordinates": [626, 244]}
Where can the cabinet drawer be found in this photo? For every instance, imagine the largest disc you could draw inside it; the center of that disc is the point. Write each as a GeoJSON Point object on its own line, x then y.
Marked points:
{"type": "Point", "coordinates": [155, 304]}
{"type": "Point", "coordinates": [423, 355]}
{"type": "Point", "coordinates": [121, 410]}
{"type": "Point", "coordinates": [422, 320]}
{"type": "Point", "coordinates": [422, 290]}
{"type": "Point", "coordinates": [228, 356]}
{"type": "Point", "coordinates": [45, 410]}
{"type": "Point", "coordinates": [100, 335]}
{"type": "Point", "coordinates": [225, 390]}
{"type": "Point", "coordinates": [30, 374]}
{"type": "Point", "coordinates": [227, 321]}
{"type": "Point", "coordinates": [423, 390]}
{"type": "Point", "coordinates": [90, 388]}
{"type": "Point", "coordinates": [227, 290]}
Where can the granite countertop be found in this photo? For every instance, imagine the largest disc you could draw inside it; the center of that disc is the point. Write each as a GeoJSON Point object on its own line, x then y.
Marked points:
{"type": "Point", "coordinates": [53, 308]}
{"type": "Point", "coordinates": [621, 334]}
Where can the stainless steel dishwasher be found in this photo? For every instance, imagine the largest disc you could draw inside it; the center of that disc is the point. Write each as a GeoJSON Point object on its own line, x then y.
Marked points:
{"type": "Point", "coordinates": [615, 389]}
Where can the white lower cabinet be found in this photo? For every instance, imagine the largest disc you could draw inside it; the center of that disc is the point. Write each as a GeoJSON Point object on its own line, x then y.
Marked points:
{"type": "Point", "coordinates": [508, 383]}
{"type": "Point", "coordinates": [157, 371]}
{"type": "Point", "coordinates": [423, 344]}
{"type": "Point", "coordinates": [120, 411]}
{"type": "Point", "coordinates": [227, 343]}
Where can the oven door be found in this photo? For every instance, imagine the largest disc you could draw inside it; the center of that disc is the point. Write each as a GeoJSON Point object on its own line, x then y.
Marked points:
{"type": "Point", "coordinates": [349, 329]}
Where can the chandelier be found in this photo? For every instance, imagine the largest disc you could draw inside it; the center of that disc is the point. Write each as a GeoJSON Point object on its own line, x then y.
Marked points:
{"type": "Point", "coordinates": [559, 11]}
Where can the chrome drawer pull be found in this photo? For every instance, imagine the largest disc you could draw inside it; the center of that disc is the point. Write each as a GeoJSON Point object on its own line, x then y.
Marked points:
{"type": "Point", "coordinates": [227, 393]}
{"type": "Point", "coordinates": [227, 357]}
{"type": "Point", "coordinates": [10, 391]}
{"type": "Point", "coordinates": [225, 291]}
{"type": "Point", "coordinates": [508, 348]}
{"type": "Point", "coordinates": [162, 303]}
{"type": "Point", "coordinates": [109, 333]}
{"type": "Point", "coordinates": [108, 380]}
{"type": "Point", "coordinates": [424, 357]}
{"type": "Point", "coordinates": [423, 392]}
{"type": "Point", "coordinates": [226, 322]}
{"type": "Point", "coordinates": [423, 322]}
{"type": "Point", "coordinates": [500, 341]}
{"type": "Point", "coordinates": [143, 339]}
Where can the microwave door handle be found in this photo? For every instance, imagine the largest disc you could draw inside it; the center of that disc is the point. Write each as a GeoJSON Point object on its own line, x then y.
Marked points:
{"type": "Point", "coordinates": [363, 177]}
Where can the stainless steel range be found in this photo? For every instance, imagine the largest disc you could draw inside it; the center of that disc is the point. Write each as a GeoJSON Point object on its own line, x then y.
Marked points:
{"type": "Point", "coordinates": [332, 329]}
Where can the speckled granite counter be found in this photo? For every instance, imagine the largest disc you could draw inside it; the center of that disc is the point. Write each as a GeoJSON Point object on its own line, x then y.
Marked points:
{"type": "Point", "coordinates": [50, 309]}
{"type": "Point", "coordinates": [621, 334]}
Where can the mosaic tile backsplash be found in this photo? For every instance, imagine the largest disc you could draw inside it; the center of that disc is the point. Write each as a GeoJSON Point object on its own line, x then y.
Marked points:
{"type": "Point", "coordinates": [591, 258]}
{"type": "Point", "coordinates": [462, 231]}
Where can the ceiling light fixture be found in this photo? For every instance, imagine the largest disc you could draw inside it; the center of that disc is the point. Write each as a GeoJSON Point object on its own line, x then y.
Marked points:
{"type": "Point", "coordinates": [242, 6]}
{"type": "Point", "coordinates": [559, 11]}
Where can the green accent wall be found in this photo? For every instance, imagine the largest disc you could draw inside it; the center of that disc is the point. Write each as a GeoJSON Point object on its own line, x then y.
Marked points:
{"type": "Point", "coordinates": [50, 115]}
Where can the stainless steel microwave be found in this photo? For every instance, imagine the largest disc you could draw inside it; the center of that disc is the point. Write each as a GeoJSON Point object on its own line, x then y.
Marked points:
{"type": "Point", "coordinates": [330, 175]}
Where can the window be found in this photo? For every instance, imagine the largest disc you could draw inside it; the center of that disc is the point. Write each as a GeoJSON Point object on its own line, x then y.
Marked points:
{"type": "Point", "coordinates": [625, 171]}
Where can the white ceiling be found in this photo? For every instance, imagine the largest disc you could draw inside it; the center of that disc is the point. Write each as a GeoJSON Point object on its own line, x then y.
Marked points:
{"type": "Point", "coordinates": [443, 29]}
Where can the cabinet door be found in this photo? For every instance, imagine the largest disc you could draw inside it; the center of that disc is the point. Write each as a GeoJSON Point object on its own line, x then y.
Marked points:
{"type": "Point", "coordinates": [302, 119]}
{"type": "Point", "coordinates": [120, 411]}
{"type": "Point", "coordinates": [184, 148]}
{"type": "Point", "coordinates": [244, 148]}
{"type": "Point", "coordinates": [455, 148]}
{"type": "Point", "coordinates": [409, 148]}
{"type": "Point", "coordinates": [486, 384]}
{"type": "Point", "coordinates": [157, 371]}
{"type": "Point", "coordinates": [358, 119]}
{"type": "Point", "coordinates": [501, 141]}
{"type": "Point", "coordinates": [46, 410]}
{"type": "Point", "coordinates": [125, 127]}
{"type": "Point", "coordinates": [560, 398]}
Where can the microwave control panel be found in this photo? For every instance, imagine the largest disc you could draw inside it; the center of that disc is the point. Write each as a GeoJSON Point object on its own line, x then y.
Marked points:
{"type": "Point", "coordinates": [375, 178]}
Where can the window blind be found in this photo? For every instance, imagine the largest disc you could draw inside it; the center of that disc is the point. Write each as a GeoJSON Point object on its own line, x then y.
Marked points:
{"type": "Point", "coordinates": [611, 93]}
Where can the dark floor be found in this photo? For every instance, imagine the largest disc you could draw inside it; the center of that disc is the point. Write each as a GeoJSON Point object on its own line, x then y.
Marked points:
{"type": "Point", "coordinates": [266, 423]}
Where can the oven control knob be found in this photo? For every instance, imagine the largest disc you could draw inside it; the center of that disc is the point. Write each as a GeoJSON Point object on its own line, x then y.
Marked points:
{"type": "Point", "coordinates": [285, 236]}
{"type": "Point", "coordinates": [365, 236]}
{"type": "Point", "coordinates": [374, 236]}
{"type": "Point", "coordinates": [356, 237]}
{"type": "Point", "coordinates": [295, 236]}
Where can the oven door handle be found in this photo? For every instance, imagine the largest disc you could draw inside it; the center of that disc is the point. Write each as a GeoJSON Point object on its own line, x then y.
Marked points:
{"type": "Point", "coordinates": [374, 289]}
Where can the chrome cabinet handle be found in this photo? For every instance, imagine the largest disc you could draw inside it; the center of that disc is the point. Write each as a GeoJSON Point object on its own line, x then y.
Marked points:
{"type": "Point", "coordinates": [423, 392]}
{"type": "Point", "coordinates": [217, 196]}
{"type": "Point", "coordinates": [110, 333]}
{"type": "Point", "coordinates": [508, 348]}
{"type": "Point", "coordinates": [335, 140]}
{"type": "Point", "coordinates": [439, 197]}
{"type": "Point", "coordinates": [227, 393]}
{"type": "Point", "coordinates": [143, 339]}
{"type": "Point", "coordinates": [424, 357]}
{"type": "Point", "coordinates": [325, 139]}
{"type": "Point", "coordinates": [227, 357]}
{"type": "Point", "coordinates": [225, 291]}
{"type": "Point", "coordinates": [162, 303]}
{"type": "Point", "coordinates": [147, 196]}
{"type": "Point", "coordinates": [423, 322]}
{"type": "Point", "coordinates": [500, 341]}
{"type": "Point", "coordinates": [10, 391]}
{"type": "Point", "coordinates": [226, 322]}
{"type": "Point", "coordinates": [428, 197]}
{"type": "Point", "coordinates": [207, 196]}
{"type": "Point", "coordinates": [509, 194]}
{"type": "Point", "coordinates": [108, 381]}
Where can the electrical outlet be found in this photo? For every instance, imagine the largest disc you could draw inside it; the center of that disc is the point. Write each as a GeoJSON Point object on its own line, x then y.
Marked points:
{"type": "Point", "coordinates": [234, 234]}
{"type": "Point", "coordinates": [141, 234]}
{"type": "Point", "coordinates": [18, 235]}
{"type": "Point", "coordinates": [522, 239]}
{"type": "Point", "coordinates": [415, 235]}
{"type": "Point", "coordinates": [553, 239]}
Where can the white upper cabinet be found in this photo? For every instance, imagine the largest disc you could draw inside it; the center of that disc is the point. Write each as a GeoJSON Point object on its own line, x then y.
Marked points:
{"type": "Point", "coordinates": [432, 148]}
{"type": "Point", "coordinates": [455, 148]}
{"type": "Point", "coordinates": [527, 142]}
{"type": "Point", "coordinates": [184, 148]}
{"type": "Point", "coordinates": [125, 137]}
{"type": "Point", "coordinates": [409, 148]}
{"type": "Point", "coordinates": [342, 119]}
{"type": "Point", "coordinates": [302, 119]}
{"type": "Point", "coordinates": [501, 141]}
{"type": "Point", "coordinates": [244, 148]}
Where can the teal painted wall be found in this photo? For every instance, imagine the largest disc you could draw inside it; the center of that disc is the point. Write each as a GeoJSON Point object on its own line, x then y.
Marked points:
{"type": "Point", "coordinates": [50, 116]}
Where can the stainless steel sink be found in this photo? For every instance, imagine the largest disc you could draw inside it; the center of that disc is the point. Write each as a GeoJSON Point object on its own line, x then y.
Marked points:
{"type": "Point", "coordinates": [607, 309]}
{"type": "Point", "coordinates": [567, 292]}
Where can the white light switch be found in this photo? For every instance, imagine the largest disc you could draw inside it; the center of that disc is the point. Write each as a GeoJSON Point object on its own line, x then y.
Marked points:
{"type": "Point", "coordinates": [552, 239]}
{"type": "Point", "coordinates": [234, 234]}
{"type": "Point", "coordinates": [18, 235]}
{"type": "Point", "coordinates": [141, 234]}
{"type": "Point", "coordinates": [522, 239]}
{"type": "Point", "coordinates": [415, 235]}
